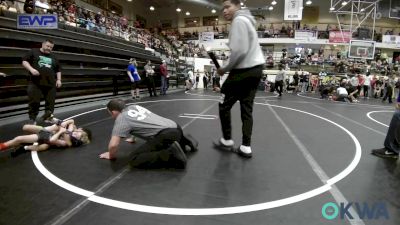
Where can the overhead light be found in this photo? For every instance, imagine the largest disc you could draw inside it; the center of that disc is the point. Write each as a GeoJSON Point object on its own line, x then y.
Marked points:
{"type": "Point", "coordinates": [309, 2]}
{"type": "Point", "coordinates": [271, 8]}
{"type": "Point", "coordinates": [344, 3]}
{"type": "Point", "coordinates": [151, 8]}
{"type": "Point", "coordinates": [113, 11]}
{"type": "Point", "coordinates": [195, 21]}
{"type": "Point", "coordinates": [273, 2]}
{"type": "Point", "coordinates": [362, 10]}
{"type": "Point", "coordinates": [187, 13]}
{"type": "Point", "coordinates": [178, 10]}
{"type": "Point", "coordinates": [241, 3]}
{"type": "Point", "coordinates": [213, 11]}
{"type": "Point", "coordinates": [129, 0]}
{"type": "Point", "coordinates": [216, 19]}
{"type": "Point", "coordinates": [331, 8]}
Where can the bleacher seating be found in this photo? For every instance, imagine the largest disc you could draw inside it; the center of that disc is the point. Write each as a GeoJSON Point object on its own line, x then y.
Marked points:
{"type": "Point", "coordinates": [92, 63]}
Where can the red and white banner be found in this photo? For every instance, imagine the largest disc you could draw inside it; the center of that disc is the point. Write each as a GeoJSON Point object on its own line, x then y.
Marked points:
{"type": "Point", "coordinates": [337, 37]}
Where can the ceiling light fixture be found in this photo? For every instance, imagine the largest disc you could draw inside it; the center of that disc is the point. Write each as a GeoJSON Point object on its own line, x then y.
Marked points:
{"type": "Point", "coordinates": [271, 8]}
{"type": "Point", "coordinates": [331, 8]}
{"type": "Point", "coordinates": [213, 11]}
{"type": "Point", "coordinates": [187, 13]}
{"type": "Point", "coordinates": [273, 2]}
{"type": "Point", "coordinates": [344, 3]}
{"type": "Point", "coordinates": [178, 10]}
{"type": "Point", "coordinates": [309, 2]}
{"type": "Point", "coordinates": [151, 8]}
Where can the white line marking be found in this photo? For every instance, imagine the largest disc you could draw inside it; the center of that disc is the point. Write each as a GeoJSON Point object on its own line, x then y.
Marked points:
{"type": "Point", "coordinates": [370, 117]}
{"type": "Point", "coordinates": [216, 211]}
{"type": "Point", "coordinates": [348, 119]}
{"type": "Point", "coordinates": [337, 195]}
{"type": "Point", "coordinates": [64, 217]}
{"type": "Point", "coordinates": [218, 96]}
{"type": "Point", "coordinates": [198, 117]}
{"type": "Point", "coordinates": [204, 111]}
{"type": "Point", "coordinates": [202, 115]}
{"type": "Point", "coordinates": [56, 180]}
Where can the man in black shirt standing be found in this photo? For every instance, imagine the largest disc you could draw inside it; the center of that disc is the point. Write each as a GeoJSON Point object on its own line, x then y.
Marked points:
{"type": "Point", "coordinates": [44, 78]}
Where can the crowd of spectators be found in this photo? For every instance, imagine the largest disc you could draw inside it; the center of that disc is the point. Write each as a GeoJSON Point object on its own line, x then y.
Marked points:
{"type": "Point", "coordinates": [103, 21]}
{"type": "Point", "coordinates": [375, 78]}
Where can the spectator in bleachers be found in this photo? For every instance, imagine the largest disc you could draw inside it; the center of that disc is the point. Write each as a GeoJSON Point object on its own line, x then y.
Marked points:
{"type": "Point", "coordinates": [41, 6]}
{"type": "Point", "coordinates": [9, 6]}
{"type": "Point", "coordinates": [29, 6]}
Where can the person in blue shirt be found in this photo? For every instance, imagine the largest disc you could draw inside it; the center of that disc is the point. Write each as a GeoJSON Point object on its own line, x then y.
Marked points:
{"type": "Point", "coordinates": [134, 77]}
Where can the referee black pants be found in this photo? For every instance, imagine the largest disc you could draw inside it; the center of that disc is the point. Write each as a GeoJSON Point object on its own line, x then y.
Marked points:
{"type": "Point", "coordinates": [155, 152]}
{"type": "Point", "coordinates": [241, 85]}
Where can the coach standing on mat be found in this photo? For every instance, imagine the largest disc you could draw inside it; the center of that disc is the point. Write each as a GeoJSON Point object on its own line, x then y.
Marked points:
{"type": "Point", "coordinates": [45, 76]}
{"type": "Point", "coordinates": [245, 70]}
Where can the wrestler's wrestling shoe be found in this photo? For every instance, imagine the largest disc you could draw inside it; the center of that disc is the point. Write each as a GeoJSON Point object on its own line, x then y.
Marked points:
{"type": "Point", "coordinates": [179, 157]}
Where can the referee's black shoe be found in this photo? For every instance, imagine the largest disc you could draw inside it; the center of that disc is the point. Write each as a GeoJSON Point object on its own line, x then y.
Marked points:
{"type": "Point", "coordinates": [179, 158]}
{"type": "Point", "coordinates": [193, 143]}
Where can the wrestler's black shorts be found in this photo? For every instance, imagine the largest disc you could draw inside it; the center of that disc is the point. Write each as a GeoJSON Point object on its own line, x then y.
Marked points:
{"type": "Point", "coordinates": [44, 136]}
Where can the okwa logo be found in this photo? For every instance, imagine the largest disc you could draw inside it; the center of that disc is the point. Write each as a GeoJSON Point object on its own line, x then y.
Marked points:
{"type": "Point", "coordinates": [376, 211]}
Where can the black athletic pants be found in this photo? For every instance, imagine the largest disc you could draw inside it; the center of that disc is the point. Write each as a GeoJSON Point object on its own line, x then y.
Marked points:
{"type": "Point", "coordinates": [241, 85]}
{"type": "Point", "coordinates": [35, 93]}
{"type": "Point", "coordinates": [279, 87]}
{"type": "Point", "coordinates": [151, 86]}
{"type": "Point", "coordinates": [388, 94]}
{"type": "Point", "coordinates": [155, 153]}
